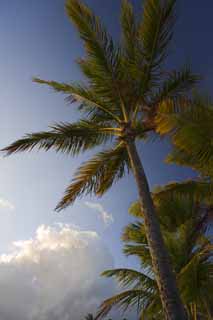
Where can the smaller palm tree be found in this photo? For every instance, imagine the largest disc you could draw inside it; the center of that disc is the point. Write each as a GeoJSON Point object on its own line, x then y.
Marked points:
{"type": "Point", "coordinates": [184, 222]}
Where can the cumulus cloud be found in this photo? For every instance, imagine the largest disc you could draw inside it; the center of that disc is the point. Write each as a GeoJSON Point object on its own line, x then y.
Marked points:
{"type": "Point", "coordinates": [6, 204]}
{"type": "Point", "coordinates": [55, 275]}
{"type": "Point", "coordinates": [106, 217]}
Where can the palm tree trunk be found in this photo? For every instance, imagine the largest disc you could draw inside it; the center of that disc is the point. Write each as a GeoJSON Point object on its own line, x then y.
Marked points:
{"type": "Point", "coordinates": [173, 307]}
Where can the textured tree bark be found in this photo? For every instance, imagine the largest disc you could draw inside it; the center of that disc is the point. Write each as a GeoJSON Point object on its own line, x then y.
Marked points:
{"type": "Point", "coordinates": [173, 307]}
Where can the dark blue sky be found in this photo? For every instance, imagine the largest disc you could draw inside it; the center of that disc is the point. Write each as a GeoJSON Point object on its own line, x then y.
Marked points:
{"type": "Point", "coordinates": [37, 39]}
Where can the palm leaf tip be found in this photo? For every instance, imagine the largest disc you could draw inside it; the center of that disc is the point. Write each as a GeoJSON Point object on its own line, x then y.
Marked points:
{"type": "Point", "coordinates": [62, 87]}
{"type": "Point", "coordinates": [20, 145]}
{"type": "Point", "coordinates": [128, 28]}
{"type": "Point", "coordinates": [38, 80]}
{"type": "Point", "coordinates": [157, 29]}
{"type": "Point", "coordinates": [89, 27]}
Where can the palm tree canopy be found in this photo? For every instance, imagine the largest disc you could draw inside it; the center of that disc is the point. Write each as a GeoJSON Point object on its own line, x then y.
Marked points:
{"type": "Point", "coordinates": [123, 92]}
{"type": "Point", "coordinates": [184, 221]}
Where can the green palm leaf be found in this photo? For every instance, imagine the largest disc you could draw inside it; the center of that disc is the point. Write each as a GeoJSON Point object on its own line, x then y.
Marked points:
{"type": "Point", "coordinates": [129, 30]}
{"type": "Point", "coordinates": [102, 64]}
{"type": "Point", "coordinates": [124, 300]}
{"type": "Point", "coordinates": [197, 190]}
{"type": "Point", "coordinates": [178, 84]}
{"type": "Point", "coordinates": [135, 240]}
{"type": "Point", "coordinates": [97, 175]}
{"type": "Point", "coordinates": [190, 128]}
{"type": "Point", "coordinates": [127, 277]}
{"type": "Point", "coordinates": [196, 275]}
{"type": "Point", "coordinates": [155, 33]}
{"type": "Point", "coordinates": [87, 99]}
{"type": "Point", "coordinates": [64, 137]}
{"type": "Point", "coordinates": [98, 44]}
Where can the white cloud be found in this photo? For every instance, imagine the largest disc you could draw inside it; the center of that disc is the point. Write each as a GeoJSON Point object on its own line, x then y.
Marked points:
{"type": "Point", "coordinates": [6, 204]}
{"type": "Point", "coordinates": [55, 275]}
{"type": "Point", "coordinates": [106, 217]}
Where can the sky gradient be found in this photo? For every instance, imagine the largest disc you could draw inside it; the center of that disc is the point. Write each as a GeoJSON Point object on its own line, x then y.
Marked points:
{"type": "Point", "coordinates": [37, 39]}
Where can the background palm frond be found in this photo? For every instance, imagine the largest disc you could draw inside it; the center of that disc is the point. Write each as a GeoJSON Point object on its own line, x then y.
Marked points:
{"type": "Point", "coordinates": [176, 85]}
{"type": "Point", "coordinates": [190, 129]}
{"type": "Point", "coordinates": [198, 190]}
{"type": "Point", "coordinates": [124, 301]}
{"type": "Point", "coordinates": [126, 277]}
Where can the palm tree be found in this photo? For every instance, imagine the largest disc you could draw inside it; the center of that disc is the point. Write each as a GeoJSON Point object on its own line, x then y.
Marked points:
{"type": "Point", "coordinates": [184, 222]}
{"type": "Point", "coordinates": [125, 89]}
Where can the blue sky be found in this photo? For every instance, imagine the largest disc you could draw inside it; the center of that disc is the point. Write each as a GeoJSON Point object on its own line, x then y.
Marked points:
{"type": "Point", "coordinates": [37, 39]}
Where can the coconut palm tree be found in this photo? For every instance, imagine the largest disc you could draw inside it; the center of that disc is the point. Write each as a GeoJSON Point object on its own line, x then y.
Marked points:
{"type": "Point", "coordinates": [184, 223]}
{"type": "Point", "coordinates": [125, 86]}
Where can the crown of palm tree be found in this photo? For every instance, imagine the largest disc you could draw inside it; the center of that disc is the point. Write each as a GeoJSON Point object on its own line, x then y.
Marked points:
{"type": "Point", "coordinates": [126, 86]}
{"type": "Point", "coordinates": [184, 222]}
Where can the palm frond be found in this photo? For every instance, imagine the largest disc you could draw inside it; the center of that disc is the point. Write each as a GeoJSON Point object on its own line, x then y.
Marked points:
{"type": "Point", "coordinates": [135, 240]}
{"type": "Point", "coordinates": [102, 63]}
{"type": "Point", "coordinates": [98, 44]}
{"type": "Point", "coordinates": [194, 136]}
{"type": "Point", "coordinates": [133, 278]}
{"type": "Point", "coordinates": [97, 175]}
{"type": "Point", "coordinates": [129, 30]}
{"type": "Point", "coordinates": [70, 138]}
{"type": "Point", "coordinates": [197, 273]}
{"type": "Point", "coordinates": [135, 209]}
{"type": "Point", "coordinates": [87, 99]}
{"type": "Point", "coordinates": [156, 33]}
{"type": "Point", "coordinates": [177, 84]}
{"type": "Point", "coordinates": [190, 131]}
{"type": "Point", "coordinates": [199, 191]}
{"type": "Point", "coordinates": [167, 115]}
{"type": "Point", "coordinates": [124, 301]}
{"type": "Point", "coordinates": [132, 57]}
{"type": "Point", "coordinates": [142, 253]}
{"type": "Point", "coordinates": [134, 232]}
